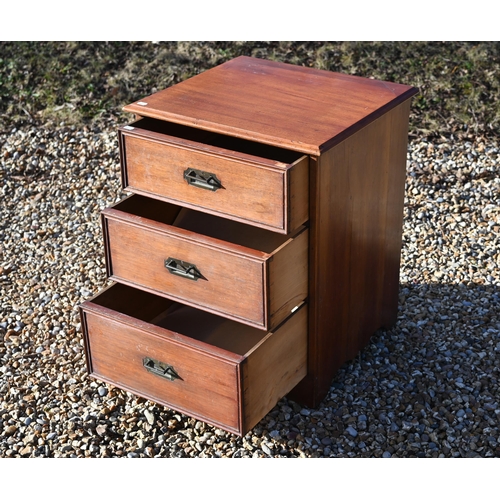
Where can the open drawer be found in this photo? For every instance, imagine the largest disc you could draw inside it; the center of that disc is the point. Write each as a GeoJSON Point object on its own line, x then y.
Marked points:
{"type": "Point", "coordinates": [219, 371]}
{"type": "Point", "coordinates": [231, 269]}
{"type": "Point", "coordinates": [253, 183]}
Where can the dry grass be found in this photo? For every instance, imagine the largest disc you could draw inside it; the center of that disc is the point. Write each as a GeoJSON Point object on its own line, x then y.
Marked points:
{"type": "Point", "coordinates": [42, 82]}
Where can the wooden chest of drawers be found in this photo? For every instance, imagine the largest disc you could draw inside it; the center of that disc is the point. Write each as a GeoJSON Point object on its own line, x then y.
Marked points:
{"type": "Point", "coordinates": [260, 249]}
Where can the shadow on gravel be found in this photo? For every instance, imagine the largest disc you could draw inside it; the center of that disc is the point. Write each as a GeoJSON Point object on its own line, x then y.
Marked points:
{"type": "Point", "coordinates": [427, 387]}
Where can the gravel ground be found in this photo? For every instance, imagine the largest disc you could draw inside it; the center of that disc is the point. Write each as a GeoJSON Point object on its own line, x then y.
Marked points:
{"type": "Point", "coordinates": [426, 388]}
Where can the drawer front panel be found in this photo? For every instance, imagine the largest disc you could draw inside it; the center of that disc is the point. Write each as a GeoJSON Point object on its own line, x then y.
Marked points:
{"type": "Point", "coordinates": [208, 387]}
{"type": "Point", "coordinates": [249, 192]}
{"type": "Point", "coordinates": [231, 285]}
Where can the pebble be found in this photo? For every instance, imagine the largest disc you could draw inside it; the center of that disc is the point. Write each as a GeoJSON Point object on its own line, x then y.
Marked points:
{"type": "Point", "coordinates": [266, 449]}
{"type": "Point", "coordinates": [102, 391]}
{"type": "Point", "coordinates": [351, 431]}
{"type": "Point", "coordinates": [149, 417]}
{"type": "Point", "coordinates": [425, 387]}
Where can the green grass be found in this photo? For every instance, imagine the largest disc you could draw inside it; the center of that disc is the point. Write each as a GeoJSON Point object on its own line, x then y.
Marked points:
{"type": "Point", "coordinates": [82, 82]}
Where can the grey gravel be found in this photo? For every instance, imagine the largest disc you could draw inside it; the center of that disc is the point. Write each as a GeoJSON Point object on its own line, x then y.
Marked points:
{"type": "Point", "coordinates": [351, 431]}
{"type": "Point", "coordinates": [149, 417]}
{"type": "Point", "coordinates": [426, 388]}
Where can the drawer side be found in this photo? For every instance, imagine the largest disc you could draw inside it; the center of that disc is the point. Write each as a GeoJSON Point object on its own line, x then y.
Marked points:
{"type": "Point", "coordinates": [274, 368]}
{"type": "Point", "coordinates": [298, 193]}
{"type": "Point", "coordinates": [288, 278]}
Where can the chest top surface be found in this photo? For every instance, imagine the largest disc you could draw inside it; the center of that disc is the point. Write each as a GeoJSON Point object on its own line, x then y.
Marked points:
{"type": "Point", "coordinates": [293, 107]}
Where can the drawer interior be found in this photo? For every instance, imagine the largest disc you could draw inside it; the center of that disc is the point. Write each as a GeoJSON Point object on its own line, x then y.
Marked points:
{"type": "Point", "coordinates": [203, 223]}
{"type": "Point", "coordinates": [229, 335]}
{"type": "Point", "coordinates": [217, 140]}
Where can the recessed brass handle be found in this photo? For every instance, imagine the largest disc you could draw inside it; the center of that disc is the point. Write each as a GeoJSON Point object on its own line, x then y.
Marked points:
{"type": "Point", "coordinates": [160, 369]}
{"type": "Point", "coordinates": [203, 180]}
{"type": "Point", "coordinates": [183, 269]}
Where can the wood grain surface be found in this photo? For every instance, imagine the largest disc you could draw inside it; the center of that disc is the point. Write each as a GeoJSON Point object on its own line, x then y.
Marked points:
{"type": "Point", "coordinates": [255, 190]}
{"type": "Point", "coordinates": [230, 375]}
{"type": "Point", "coordinates": [301, 109]}
{"type": "Point", "coordinates": [243, 121]}
{"type": "Point", "coordinates": [357, 193]}
{"type": "Point", "coordinates": [274, 368]}
{"type": "Point", "coordinates": [244, 283]}
{"type": "Point", "coordinates": [208, 387]}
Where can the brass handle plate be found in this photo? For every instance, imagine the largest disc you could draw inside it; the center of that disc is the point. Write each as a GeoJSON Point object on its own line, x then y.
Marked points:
{"type": "Point", "coordinates": [203, 180]}
{"type": "Point", "coordinates": [183, 269]}
{"type": "Point", "coordinates": [161, 369]}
